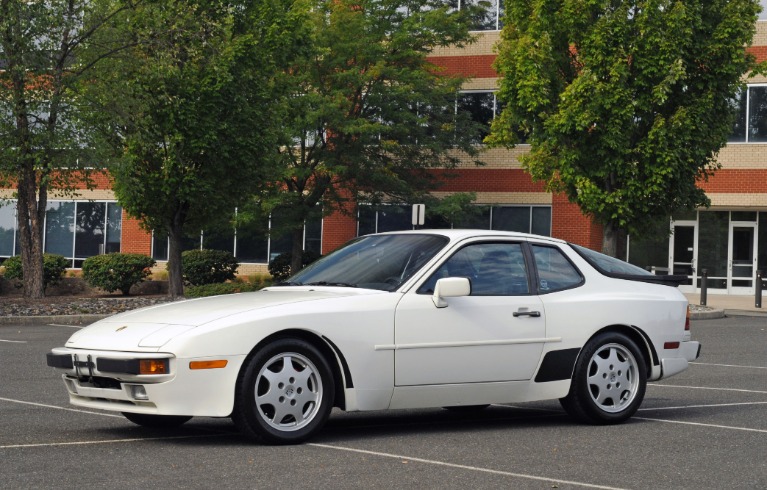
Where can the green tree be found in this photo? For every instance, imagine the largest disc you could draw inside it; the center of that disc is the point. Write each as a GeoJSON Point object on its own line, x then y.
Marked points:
{"type": "Point", "coordinates": [625, 103]}
{"type": "Point", "coordinates": [191, 109]}
{"type": "Point", "coordinates": [44, 144]}
{"type": "Point", "coordinates": [369, 114]}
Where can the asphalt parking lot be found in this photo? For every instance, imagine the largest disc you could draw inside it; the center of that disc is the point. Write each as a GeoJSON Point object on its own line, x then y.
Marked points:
{"type": "Point", "coordinates": [705, 428]}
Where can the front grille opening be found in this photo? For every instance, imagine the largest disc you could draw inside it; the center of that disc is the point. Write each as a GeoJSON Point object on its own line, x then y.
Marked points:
{"type": "Point", "coordinates": [100, 382]}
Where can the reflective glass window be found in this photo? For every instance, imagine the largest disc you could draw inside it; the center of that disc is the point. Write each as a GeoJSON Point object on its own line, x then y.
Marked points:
{"type": "Point", "coordinates": [114, 227]}
{"type": "Point", "coordinates": [555, 272]}
{"type": "Point", "coordinates": [757, 114]}
{"type": "Point", "coordinates": [90, 223]}
{"type": "Point", "coordinates": [481, 107]}
{"type": "Point", "coordinates": [7, 228]}
{"type": "Point", "coordinates": [60, 228]}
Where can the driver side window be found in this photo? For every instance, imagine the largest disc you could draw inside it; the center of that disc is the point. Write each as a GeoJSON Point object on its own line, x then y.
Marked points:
{"type": "Point", "coordinates": [494, 269]}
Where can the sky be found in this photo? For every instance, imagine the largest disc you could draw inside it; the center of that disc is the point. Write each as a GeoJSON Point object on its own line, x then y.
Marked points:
{"type": "Point", "coordinates": [763, 15]}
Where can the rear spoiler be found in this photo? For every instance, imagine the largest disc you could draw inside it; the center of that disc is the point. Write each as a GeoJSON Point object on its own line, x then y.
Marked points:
{"type": "Point", "coordinates": [674, 280]}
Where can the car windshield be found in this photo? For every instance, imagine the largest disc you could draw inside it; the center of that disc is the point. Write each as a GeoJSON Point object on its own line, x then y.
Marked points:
{"type": "Point", "coordinates": [373, 262]}
{"type": "Point", "coordinates": [609, 265]}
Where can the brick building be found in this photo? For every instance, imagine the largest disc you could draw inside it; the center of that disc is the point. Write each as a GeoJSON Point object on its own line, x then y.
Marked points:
{"type": "Point", "coordinates": [729, 239]}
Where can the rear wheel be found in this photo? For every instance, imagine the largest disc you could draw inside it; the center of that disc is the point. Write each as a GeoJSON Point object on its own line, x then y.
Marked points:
{"type": "Point", "coordinates": [284, 394]}
{"type": "Point", "coordinates": [156, 421]}
{"type": "Point", "coordinates": [609, 381]}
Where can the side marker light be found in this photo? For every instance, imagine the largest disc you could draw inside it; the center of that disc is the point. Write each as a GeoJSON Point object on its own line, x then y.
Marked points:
{"type": "Point", "coordinates": [208, 364]}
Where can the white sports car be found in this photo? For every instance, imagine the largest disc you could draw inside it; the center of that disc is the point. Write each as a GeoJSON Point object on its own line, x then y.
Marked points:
{"type": "Point", "coordinates": [438, 318]}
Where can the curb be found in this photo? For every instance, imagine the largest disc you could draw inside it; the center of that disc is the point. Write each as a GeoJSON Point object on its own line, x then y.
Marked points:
{"type": "Point", "coordinates": [46, 320]}
{"type": "Point", "coordinates": [733, 312]}
{"type": "Point", "coordinates": [711, 314]}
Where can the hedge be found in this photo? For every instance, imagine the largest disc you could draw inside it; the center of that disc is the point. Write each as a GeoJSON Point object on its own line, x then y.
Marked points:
{"type": "Point", "coordinates": [53, 269]}
{"type": "Point", "coordinates": [117, 271]}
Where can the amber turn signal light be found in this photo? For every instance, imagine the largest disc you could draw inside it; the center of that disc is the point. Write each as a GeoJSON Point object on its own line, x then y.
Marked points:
{"type": "Point", "coordinates": [208, 364]}
{"type": "Point", "coordinates": [153, 366]}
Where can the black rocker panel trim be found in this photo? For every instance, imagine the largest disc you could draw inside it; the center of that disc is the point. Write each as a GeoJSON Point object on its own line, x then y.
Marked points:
{"type": "Point", "coordinates": [557, 365]}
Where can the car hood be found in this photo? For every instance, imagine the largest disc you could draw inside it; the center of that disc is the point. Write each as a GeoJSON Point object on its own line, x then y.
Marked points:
{"type": "Point", "coordinates": [154, 326]}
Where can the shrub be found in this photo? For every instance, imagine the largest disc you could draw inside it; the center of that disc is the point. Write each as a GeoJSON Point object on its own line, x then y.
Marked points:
{"type": "Point", "coordinates": [116, 271]}
{"type": "Point", "coordinates": [220, 288]}
{"type": "Point", "coordinates": [53, 268]}
{"type": "Point", "coordinates": [279, 268]}
{"type": "Point", "coordinates": [208, 266]}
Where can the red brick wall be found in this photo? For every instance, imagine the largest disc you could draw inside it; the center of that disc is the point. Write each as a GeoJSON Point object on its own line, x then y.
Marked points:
{"type": "Point", "coordinates": [759, 51]}
{"type": "Point", "coordinates": [569, 223]}
{"type": "Point", "coordinates": [337, 229]}
{"type": "Point", "coordinates": [742, 181]}
{"type": "Point", "coordinates": [488, 180]}
{"type": "Point", "coordinates": [134, 238]}
{"type": "Point", "coordinates": [477, 66]}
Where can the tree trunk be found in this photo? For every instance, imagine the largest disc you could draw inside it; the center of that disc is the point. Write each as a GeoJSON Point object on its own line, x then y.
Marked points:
{"type": "Point", "coordinates": [175, 274]}
{"type": "Point", "coordinates": [297, 251]}
{"type": "Point", "coordinates": [610, 239]}
{"type": "Point", "coordinates": [31, 240]}
{"type": "Point", "coordinates": [30, 220]}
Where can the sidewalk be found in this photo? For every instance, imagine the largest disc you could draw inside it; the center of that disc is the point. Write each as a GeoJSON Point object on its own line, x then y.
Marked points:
{"type": "Point", "coordinates": [719, 305]}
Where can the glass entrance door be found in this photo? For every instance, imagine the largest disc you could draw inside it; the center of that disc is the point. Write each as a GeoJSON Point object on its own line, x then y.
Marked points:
{"type": "Point", "coordinates": [741, 260]}
{"type": "Point", "coordinates": [684, 253]}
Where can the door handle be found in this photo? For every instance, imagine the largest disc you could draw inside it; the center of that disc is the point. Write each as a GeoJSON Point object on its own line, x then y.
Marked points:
{"type": "Point", "coordinates": [534, 314]}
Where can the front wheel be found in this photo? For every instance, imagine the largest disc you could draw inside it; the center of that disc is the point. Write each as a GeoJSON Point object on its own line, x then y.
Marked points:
{"type": "Point", "coordinates": [284, 394]}
{"type": "Point", "coordinates": [609, 381]}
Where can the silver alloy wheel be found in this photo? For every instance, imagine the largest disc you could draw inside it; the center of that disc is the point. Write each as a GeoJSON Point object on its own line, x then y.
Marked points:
{"type": "Point", "coordinates": [288, 391]}
{"type": "Point", "coordinates": [612, 380]}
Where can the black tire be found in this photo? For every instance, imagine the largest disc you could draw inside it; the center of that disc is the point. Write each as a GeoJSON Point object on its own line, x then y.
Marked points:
{"type": "Point", "coordinates": [280, 406]}
{"type": "Point", "coordinates": [609, 381]}
{"type": "Point", "coordinates": [156, 421]}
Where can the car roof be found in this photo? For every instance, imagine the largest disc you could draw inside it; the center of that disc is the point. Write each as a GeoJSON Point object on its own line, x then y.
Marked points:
{"type": "Point", "coordinates": [462, 234]}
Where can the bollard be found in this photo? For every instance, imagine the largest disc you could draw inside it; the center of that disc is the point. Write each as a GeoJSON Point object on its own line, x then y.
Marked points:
{"type": "Point", "coordinates": [704, 287]}
{"type": "Point", "coordinates": [758, 295]}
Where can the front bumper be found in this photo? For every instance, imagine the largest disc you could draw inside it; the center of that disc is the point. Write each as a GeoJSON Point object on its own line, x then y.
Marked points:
{"type": "Point", "coordinates": [109, 380]}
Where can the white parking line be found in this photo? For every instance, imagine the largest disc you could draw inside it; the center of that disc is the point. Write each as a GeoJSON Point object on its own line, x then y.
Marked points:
{"type": "Point", "coordinates": [727, 365]}
{"type": "Point", "coordinates": [702, 406]}
{"type": "Point", "coordinates": [460, 466]}
{"type": "Point", "coordinates": [699, 424]}
{"type": "Point", "coordinates": [68, 326]}
{"type": "Point", "coordinates": [43, 405]}
{"type": "Point", "coordinates": [761, 392]}
{"type": "Point", "coordinates": [14, 341]}
{"type": "Point", "coordinates": [108, 441]}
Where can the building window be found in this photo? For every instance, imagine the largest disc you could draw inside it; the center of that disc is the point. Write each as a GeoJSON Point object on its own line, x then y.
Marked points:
{"type": "Point", "coordinates": [395, 217]}
{"type": "Point", "coordinates": [751, 116]}
{"type": "Point", "coordinates": [481, 106]}
{"type": "Point", "coordinates": [75, 229]}
{"type": "Point", "coordinates": [7, 230]}
{"type": "Point", "coordinates": [252, 243]}
{"type": "Point", "coordinates": [491, 17]}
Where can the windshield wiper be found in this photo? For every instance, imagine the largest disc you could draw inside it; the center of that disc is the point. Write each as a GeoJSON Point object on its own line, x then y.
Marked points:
{"type": "Point", "coordinates": [288, 283]}
{"type": "Point", "coordinates": [326, 283]}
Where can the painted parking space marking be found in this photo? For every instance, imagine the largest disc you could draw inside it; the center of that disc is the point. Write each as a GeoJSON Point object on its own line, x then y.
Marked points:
{"type": "Point", "coordinates": [727, 365]}
{"type": "Point", "coordinates": [700, 424]}
{"type": "Point", "coordinates": [108, 441]}
{"type": "Point", "coordinates": [716, 405]}
{"type": "Point", "coordinates": [14, 341]}
{"type": "Point", "coordinates": [738, 390]}
{"type": "Point", "coordinates": [459, 466]}
{"type": "Point", "coordinates": [67, 409]}
{"type": "Point", "coordinates": [68, 326]}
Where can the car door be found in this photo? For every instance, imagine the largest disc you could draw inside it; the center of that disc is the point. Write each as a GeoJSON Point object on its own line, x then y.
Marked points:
{"type": "Point", "coordinates": [494, 334]}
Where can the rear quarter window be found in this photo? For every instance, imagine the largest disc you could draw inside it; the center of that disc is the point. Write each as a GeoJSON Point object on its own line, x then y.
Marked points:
{"type": "Point", "coordinates": [555, 271]}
